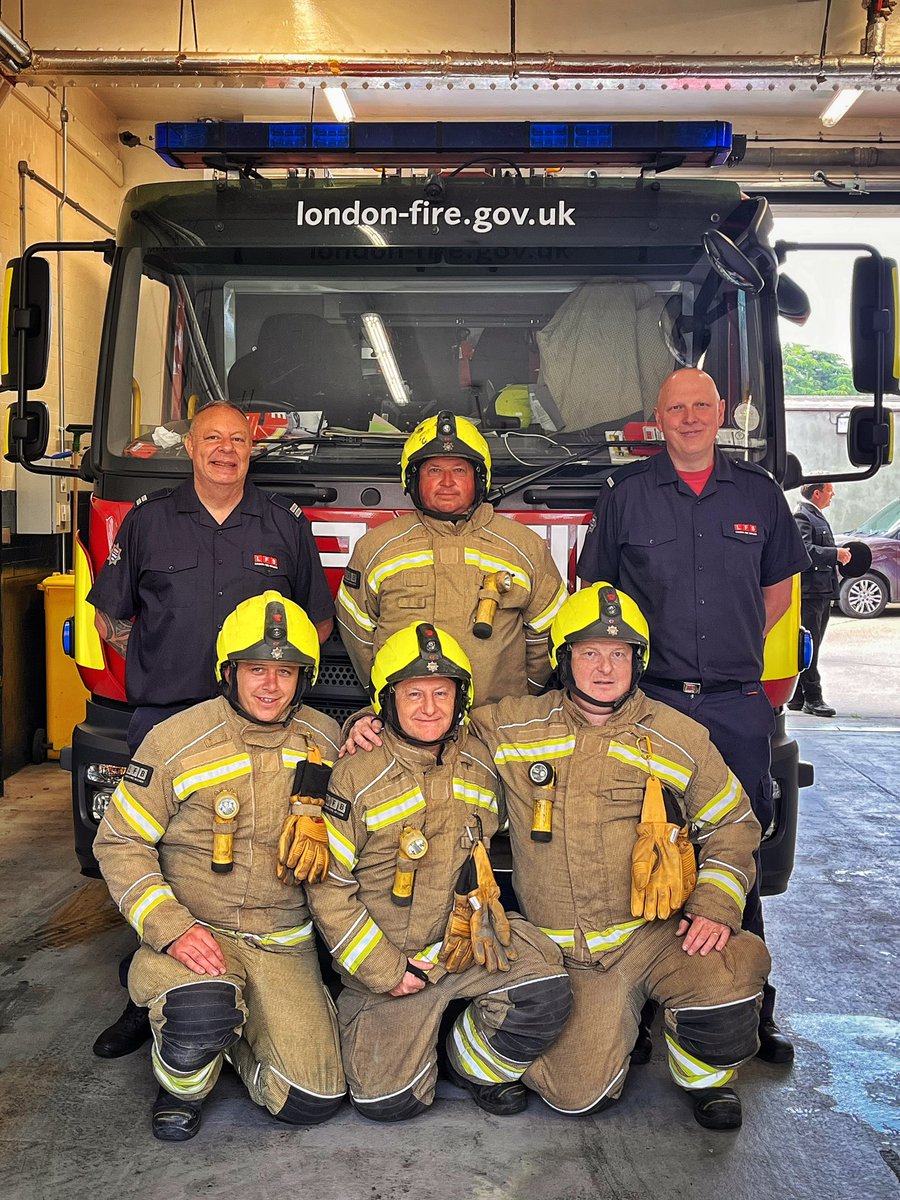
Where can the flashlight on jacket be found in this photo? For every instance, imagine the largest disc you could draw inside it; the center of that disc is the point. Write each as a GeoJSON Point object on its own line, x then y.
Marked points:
{"type": "Point", "coordinates": [225, 809]}
{"type": "Point", "coordinates": [543, 776]}
{"type": "Point", "coordinates": [413, 845]}
{"type": "Point", "coordinates": [493, 586]}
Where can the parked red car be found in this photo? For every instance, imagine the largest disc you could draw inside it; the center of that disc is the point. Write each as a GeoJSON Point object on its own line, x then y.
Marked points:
{"type": "Point", "coordinates": [869, 594]}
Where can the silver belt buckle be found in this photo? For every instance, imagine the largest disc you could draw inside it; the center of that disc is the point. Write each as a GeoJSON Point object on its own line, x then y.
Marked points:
{"type": "Point", "coordinates": [692, 689]}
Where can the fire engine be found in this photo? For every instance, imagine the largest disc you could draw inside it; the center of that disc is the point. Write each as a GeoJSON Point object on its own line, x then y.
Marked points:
{"type": "Point", "coordinates": [340, 283]}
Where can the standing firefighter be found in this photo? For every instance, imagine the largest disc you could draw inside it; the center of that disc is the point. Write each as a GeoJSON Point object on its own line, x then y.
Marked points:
{"type": "Point", "coordinates": [190, 849]}
{"type": "Point", "coordinates": [487, 580]}
{"type": "Point", "coordinates": [411, 910]}
{"type": "Point", "coordinates": [603, 788]}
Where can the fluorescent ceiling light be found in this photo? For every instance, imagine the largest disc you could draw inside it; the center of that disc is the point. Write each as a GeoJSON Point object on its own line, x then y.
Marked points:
{"type": "Point", "coordinates": [384, 356]}
{"type": "Point", "coordinates": [339, 104]}
{"type": "Point", "coordinates": [839, 105]}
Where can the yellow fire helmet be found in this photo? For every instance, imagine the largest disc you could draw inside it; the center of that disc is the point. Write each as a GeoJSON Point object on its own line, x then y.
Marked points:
{"type": "Point", "coordinates": [599, 611]}
{"type": "Point", "coordinates": [420, 652]}
{"type": "Point", "coordinates": [445, 436]}
{"type": "Point", "coordinates": [267, 628]}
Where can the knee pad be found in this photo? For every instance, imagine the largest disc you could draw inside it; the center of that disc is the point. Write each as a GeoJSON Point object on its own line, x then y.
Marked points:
{"type": "Point", "coordinates": [720, 1035]}
{"type": "Point", "coordinates": [535, 1019]}
{"type": "Point", "coordinates": [200, 1023]}
{"type": "Point", "coordinates": [390, 1108]}
{"type": "Point", "coordinates": [303, 1108]}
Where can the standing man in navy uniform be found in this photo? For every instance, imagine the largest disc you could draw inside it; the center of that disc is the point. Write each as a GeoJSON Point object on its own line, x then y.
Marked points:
{"type": "Point", "coordinates": [818, 587]}
{"type": "Point", "coordinates": [707, 547]}
{"type": "Point", "coordinates": [183, 559]}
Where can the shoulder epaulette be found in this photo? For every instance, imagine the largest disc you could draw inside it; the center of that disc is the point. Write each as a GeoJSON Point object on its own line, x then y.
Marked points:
{"type": "Point", "coordinates": [753, 468]}
{"type": "Point", "coordinates": [626, 472]}
{"type": "Point", "coordinates": [287, 504]}
{"type": "Point", "coordinates": [160, 494]}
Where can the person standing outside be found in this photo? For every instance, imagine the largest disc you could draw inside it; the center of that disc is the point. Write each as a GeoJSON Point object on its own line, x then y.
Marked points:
{"type": "Point", "coordinates": [706, 546]}
{"type": "Point", "coordinates": [818, 586]}
{"type": "Point", "coordinates": [182, 560]}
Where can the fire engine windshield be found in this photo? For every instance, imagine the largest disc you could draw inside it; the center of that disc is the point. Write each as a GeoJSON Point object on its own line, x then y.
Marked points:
{"type": "Point", "coordinates": [336, 356]}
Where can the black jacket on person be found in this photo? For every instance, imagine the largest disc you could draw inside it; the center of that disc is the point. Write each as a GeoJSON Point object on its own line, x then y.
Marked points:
{"type": "Point", "coordinates": [820, 579]}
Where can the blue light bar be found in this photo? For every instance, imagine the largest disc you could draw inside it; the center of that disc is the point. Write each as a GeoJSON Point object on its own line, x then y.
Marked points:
{"type": "Point", "coordinates": [227, 144]}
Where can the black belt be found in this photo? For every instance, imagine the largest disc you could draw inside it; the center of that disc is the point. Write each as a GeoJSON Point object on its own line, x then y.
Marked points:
{"type": "Point", "coordinates": [692, 689]}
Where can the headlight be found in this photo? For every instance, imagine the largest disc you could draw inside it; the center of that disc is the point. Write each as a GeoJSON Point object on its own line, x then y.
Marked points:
{"type": "Point", "coordinates": [104, 774]}
{"type": "Point", "coordinates": [99, 803]}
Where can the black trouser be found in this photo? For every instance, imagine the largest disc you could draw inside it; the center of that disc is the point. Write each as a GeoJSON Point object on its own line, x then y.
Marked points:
{"type": "Point", "coordinates": [740, 725]}
{"type": "Point", "coordinates": [814, 613]}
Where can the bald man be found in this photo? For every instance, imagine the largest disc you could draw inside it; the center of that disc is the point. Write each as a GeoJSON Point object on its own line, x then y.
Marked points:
{"type": "Point", "coordinates": [707, 547]}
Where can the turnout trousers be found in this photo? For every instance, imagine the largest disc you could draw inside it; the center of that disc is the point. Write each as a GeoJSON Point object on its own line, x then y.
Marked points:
{"type": "Point", "coordinates": [390, 1042]}
{"type": "Point", "coordinates": [741, 725]}
{"type": "Point", "coordinates": [271, 1014]}
{"type": "Point", "coordinates": [711, 1008]}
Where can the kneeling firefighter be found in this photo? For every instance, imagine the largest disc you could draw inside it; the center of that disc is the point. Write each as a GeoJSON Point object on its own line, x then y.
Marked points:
{"type": "Point", "coordinates": [411, 910]}
{"type": "Point", "coordinates": [195, 847]}
{"type": "Point", "coordinates": [609, 794]}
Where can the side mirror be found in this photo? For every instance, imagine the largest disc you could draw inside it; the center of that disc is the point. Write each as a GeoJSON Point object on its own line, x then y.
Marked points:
{"type": "Point", "coordinates": [26, 437]}
{"type": "Point", "coordinates": [793, 302]}
{"type": "Point", "coordinates": [34, 319]}
{"type": "Point", "coordinates": [731, 263]}
{"type": "Point", "coordinates": [870, 441]}
{"type": "Point", "coordinates": [874, 312]}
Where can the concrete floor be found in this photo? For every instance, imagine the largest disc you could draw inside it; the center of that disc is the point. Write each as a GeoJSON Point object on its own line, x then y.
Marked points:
{"type": "Point", "coordinates": [72, 1125]}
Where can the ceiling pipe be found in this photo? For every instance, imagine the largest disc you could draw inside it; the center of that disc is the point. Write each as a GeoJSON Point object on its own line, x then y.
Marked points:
{"type": "Point", "coordinates": [71, 67]}
{"type": "Point", "coordinates": [15, 55]}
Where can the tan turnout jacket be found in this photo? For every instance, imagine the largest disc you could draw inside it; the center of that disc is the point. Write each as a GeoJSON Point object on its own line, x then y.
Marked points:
{"type": "Point", "coordinates": [577, 887]}
{"type": "Point", "coordinates": [372, 798]}
{"type": "Point", "coordinates": [154, 844]}
{"type": "Point", "coordinates": [415, 568]}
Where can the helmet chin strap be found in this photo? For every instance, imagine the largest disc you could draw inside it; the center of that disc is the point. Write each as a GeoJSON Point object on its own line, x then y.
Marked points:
{"type": "Point", "coordinates": [228, 685]}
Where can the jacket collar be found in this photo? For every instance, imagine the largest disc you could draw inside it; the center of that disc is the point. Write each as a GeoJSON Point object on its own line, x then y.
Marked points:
{"type": "Point", "coordinates": [479, 518]}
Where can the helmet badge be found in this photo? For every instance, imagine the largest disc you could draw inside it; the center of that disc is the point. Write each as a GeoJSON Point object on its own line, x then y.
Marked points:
{"type": "Point", "coordinates": [612, 630]}
{"type": "Point", "coordinates": [277, 651]}
{"type": "Point", "coordinates": [447, 446]}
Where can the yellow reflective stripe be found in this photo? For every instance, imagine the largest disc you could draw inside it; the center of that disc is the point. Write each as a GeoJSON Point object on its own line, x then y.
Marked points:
{"type": "Point", "coordinates": [285, 937]}
{"type": "Point", "coordinates": [290, 758]}
{"type": "Point", "coordinates": [136, 816]}
{"type": "Point", "coordinates": [486, 562]}
{"type": "Point", "coordinates": [361, 947]}
{"type": "Point", "coordinates": [346, 601]}
{"type": "Point", "coordinates": [472, 794]}
{"type": "Point", "coordinates": [213, 772]}
{"type": "Point", "coordinates": [545, 619]}
{"type": "Point", "coordinates": [607, 939]}
{"type": "Point", "coordinates": [672, 772]}
{"type": "Point", "coordinates": [88, 646]}
{"type": "Point", "coordinates": [183, 1084]}
{"type": "Point", "coordinates": [721, 804]}
{"type": "Point", "coordinates": [509, 751]}
{"type": "Point", "coordinates": [395, 810]}
{"type": "Point", "coordinates": [145, 904]}
{"type": "Point", "coordinates": [341, 847]}
{"type": "Point", "coordinates": [394, 566]}
{"type": "Point", "coordinates": [724, 880]}
{"type": "Point", "coordinates": [690, 1072]}
{"type": "Point", "coordinates": [562, 937]}
{"type": "Point", "coordinates": [477, 1056]}
{"type": "Point", "coordinates": [430, 953]}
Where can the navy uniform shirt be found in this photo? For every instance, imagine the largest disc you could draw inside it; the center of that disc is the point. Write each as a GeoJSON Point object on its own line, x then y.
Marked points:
{"type": "Point", "coordinates": [695, 564]}
{"type": "Point", "coordinates": [179, 574]}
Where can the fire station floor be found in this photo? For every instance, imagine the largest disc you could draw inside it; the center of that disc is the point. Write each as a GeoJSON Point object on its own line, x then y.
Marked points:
{"type": "Point", "coordinates": [72, 1125]}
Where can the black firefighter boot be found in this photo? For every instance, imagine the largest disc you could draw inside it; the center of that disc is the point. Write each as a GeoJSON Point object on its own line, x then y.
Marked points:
{"type": "Point", "coordinates": [126, 1034]}
{"type": "Point", "coordinates": [175, 1119]}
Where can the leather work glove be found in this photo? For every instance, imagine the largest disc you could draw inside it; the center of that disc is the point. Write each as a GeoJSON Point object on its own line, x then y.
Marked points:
{"type": "Point", "coordinates": [303, 845]}
{"type": "Point", "coordinates": [491, 934]}
{"type": "Point", "coordinates": [456, 953]}
{"type": "Point", "coordinates": [658, 861]}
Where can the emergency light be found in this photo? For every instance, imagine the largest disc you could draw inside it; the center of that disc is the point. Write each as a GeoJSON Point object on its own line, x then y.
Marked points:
{"type": "Point", "coordinates": [221, 144]}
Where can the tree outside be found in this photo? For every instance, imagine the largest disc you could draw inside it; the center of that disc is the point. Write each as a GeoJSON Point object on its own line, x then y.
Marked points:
{"type": "Point", "coordinates": [810, 372]}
